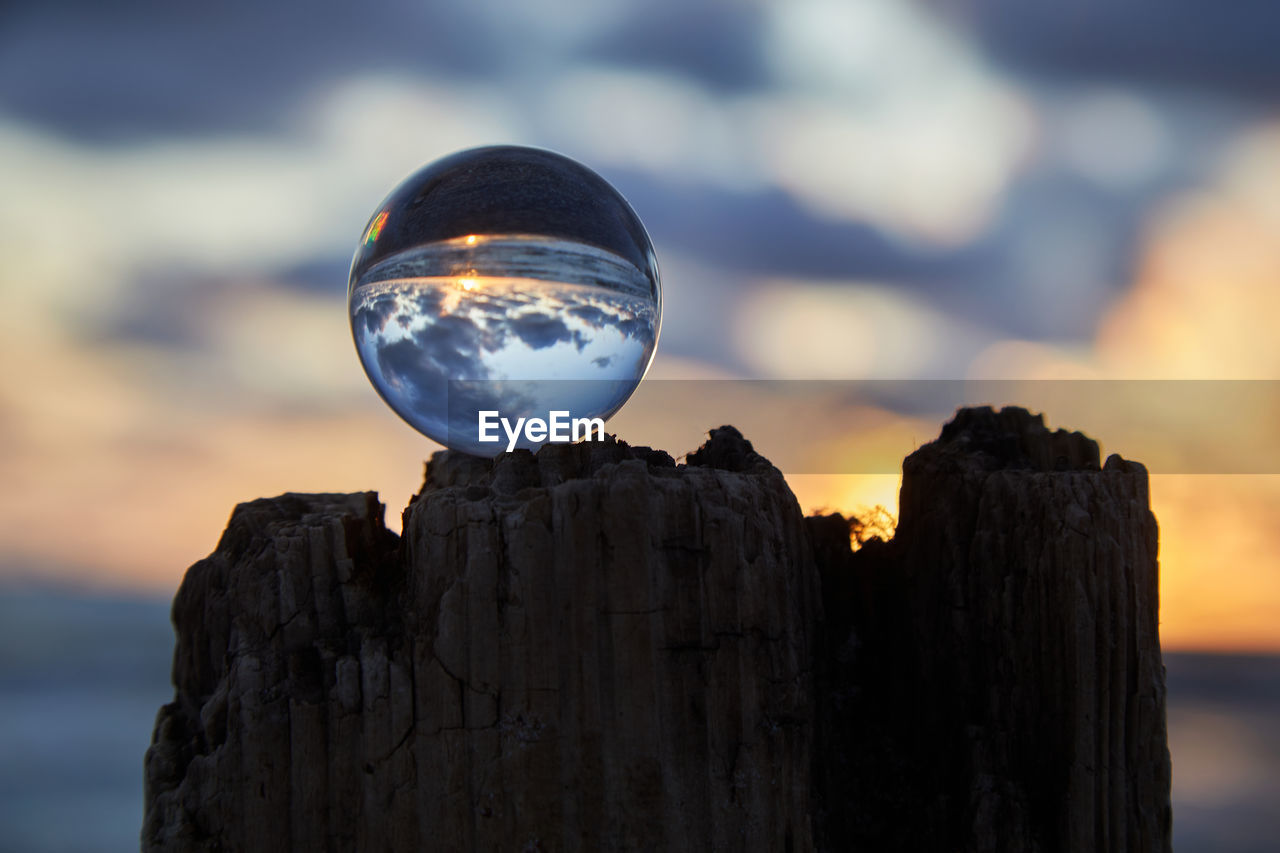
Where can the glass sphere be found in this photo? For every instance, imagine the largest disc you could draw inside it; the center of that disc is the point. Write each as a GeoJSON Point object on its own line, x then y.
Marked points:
{"type": "Point", "coordinates": [503, 283]}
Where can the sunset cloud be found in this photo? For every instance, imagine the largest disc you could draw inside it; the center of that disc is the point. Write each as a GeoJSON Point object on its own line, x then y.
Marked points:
{"type": "Point", "coordinates": [841, 194]}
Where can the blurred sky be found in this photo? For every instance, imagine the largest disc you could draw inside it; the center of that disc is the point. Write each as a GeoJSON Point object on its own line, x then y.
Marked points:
{"type": "Point", "coordinates": [866, 189]}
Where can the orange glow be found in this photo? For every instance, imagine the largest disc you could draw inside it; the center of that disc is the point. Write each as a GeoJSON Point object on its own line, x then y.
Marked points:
{"type": "Point", "coordinates": [870, 497]}
{"type": "Point", "coordinates": [1204, 306]}
{"type": "Point", "coordinates": [149, 473]}
{"type": "Point", "coordinates": [148, 448]}
{"type": "Point", "coordinates": [1205, 302]}
{"type": "Point", "coordinates": [113, 450]}
{"type": "Point", "coordinates": [1219, 588]}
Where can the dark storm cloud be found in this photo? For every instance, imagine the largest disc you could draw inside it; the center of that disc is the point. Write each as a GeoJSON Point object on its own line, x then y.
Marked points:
{"type": "Point", "coordinates": [320, 274]}
{"type": "Point", "coordinates": [379, 312]}
{"type": "Point", "coordinates": [401, 362]}
{"type": "Point", "coordinates": [995, 288]}
{"type": "Point", "coordinates": [122, 70]}
{"type": "Point", "coordinates": [635, 329]}
{"type": "Point", "coordinates": [539, 330]}
{"type": "Point", "coordinates": [133, 68]}
{"type": "Point", "coordinates": [165, 308]}
{"type": "Point", "coordinates": [1229, 47]}
{"type": "Point", "coordinates": [591, 315]}
{"type": "Point", "coordinates": [449, 346]}
{"type": "Point", "coordinates": [718, 43]}
{"type": "Point", "coordinates": [427, 302]}
{"type": "Point", "coordinates": [468, 396]}
{"type": "Point", "coordinates": [142, 67]}
{"type": "Point", "coordinates": [769, 233]}
{"type": "Point", "coordinates": [164, 323]}
{"type": "Point", "coordinates": [742, 235]}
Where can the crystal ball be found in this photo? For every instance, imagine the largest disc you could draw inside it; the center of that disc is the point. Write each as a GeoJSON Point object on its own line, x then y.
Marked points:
{"type": "Point", "coordinates": [503, 283]}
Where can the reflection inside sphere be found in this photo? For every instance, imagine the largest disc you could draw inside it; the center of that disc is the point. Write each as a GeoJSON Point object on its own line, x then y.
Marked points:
{"type": "Point", "coordinates": [524, 323]}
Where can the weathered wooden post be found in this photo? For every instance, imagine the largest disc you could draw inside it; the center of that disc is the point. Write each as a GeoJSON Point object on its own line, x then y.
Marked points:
{"type": "Point", "coordinates": [593, 648]}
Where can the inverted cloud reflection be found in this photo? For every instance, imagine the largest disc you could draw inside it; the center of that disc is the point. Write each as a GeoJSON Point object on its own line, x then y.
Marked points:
{"type": "Point", "coordinates": [440, 350]}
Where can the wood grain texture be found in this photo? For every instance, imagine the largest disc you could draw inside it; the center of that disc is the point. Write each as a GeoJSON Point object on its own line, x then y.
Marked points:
{"type": "Point", "coordinates": [595, 649]}
{"type": "Point", "coordinates": [587, 649]}
{"type": "Point", "coordinates": [992, 677]}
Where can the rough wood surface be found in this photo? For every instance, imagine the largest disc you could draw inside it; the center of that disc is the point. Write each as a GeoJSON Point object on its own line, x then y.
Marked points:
{"type": "Point", "coordinates": [992, 677]}
{"type": "Point", "coordinates": [595, 649]}
{"type": "Point", "coordinates": [590, 649]}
